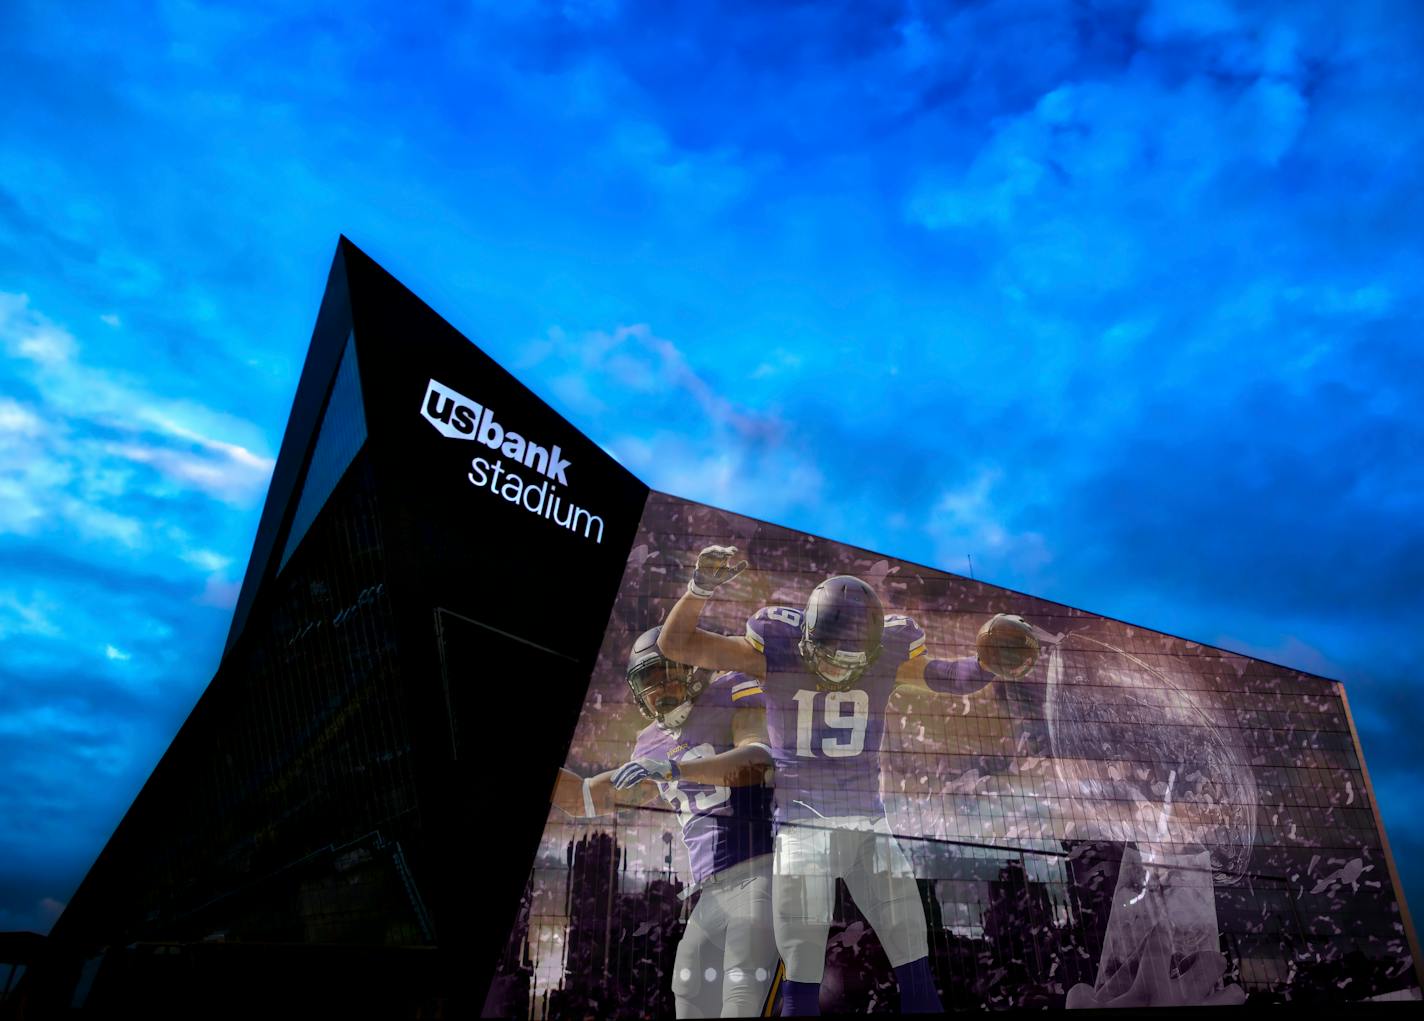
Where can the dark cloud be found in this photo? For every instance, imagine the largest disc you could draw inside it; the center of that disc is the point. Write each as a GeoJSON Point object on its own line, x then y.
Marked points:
{"type": "Point", "coordinates": [1118, 297]}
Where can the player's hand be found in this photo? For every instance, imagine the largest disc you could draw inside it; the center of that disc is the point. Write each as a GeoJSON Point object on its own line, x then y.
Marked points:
{"type": "Point", "coordinates": [714, 567]}
{"type": "Point", "coordinates": [630, 774]}
{"type": "Point", "coordinates": [1007, 646]}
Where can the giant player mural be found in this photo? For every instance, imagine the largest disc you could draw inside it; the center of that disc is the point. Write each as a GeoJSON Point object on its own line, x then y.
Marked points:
{"type": "Point", "coordinates": [808, 778]}
{"type": "Point", "coordinates": [828, 671]}
{"type": "Point", "coordinates": [707, 759]}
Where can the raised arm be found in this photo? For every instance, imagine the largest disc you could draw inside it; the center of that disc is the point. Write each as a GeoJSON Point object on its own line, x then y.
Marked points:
{"type": "Point", "coordinates": [945, 676]}
{"type": "Point", "coordinates": [683, 641]}
{"type": "Point", "coordinates": [745, 765]}
{"type": "Point", "coordinates": [1006, 646]}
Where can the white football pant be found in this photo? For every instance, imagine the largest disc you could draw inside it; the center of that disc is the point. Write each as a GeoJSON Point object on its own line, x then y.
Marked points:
{"type": "Point", "coordinates": [727, 957]}
{"type": "Point", "coordinates": [809, 857]}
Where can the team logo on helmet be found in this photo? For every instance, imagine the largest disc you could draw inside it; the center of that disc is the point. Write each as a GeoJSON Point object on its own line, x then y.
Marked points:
{"type": "Point", "coordinates": [663, 690]}
{"type": "Point", "coordinates": [841, 630]}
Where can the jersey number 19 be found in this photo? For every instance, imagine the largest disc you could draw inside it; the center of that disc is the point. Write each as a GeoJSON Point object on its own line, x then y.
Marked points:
{"type": "Point", "coordinates": [847, 729]}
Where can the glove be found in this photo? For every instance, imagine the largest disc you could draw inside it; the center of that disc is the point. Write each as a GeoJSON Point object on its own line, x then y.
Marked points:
{"type": "Point", "coordinates": [714, 567]}
{"type": "Point", "coordinates": [630, 774]}
{"type": "Point", "coordinates": [1007, 646]}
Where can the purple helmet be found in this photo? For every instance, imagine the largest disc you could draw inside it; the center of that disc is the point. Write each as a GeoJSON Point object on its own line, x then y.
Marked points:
{"type": "Point", "coordinates": [841, 629]}
{"type": "Point", "coordinates": [664, 690]}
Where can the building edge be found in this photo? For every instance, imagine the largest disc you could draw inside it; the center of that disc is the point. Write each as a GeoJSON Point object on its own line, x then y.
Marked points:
{"type": "Point", "coordinates": [1409, 934]}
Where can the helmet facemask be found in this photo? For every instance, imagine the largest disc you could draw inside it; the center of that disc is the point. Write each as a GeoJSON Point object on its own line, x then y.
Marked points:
{"type": "Point", "coordinates": [665, 691]}
{"type": "Point", "coordinates": [841, 631]}
{"type": "Point", "coordinates": [837, 669]}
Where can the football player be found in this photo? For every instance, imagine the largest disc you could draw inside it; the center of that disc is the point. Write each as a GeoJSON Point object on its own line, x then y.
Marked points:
{"type": "Point", "coordinates": [827, 672]}
{"type": "Point", "coordinates": [706, 754]}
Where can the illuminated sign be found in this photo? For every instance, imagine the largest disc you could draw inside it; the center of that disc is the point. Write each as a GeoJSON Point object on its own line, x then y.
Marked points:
{"type": "Point", "coordinates": [458, 417]}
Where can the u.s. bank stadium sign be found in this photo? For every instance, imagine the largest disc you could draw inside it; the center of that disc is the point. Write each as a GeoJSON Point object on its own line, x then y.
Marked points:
{"type": "Point", "coordinates": [460, 418]}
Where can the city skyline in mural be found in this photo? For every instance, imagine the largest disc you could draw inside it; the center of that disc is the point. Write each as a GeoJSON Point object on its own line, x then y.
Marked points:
{"type": "Point", "coordinates": [1138, 809]}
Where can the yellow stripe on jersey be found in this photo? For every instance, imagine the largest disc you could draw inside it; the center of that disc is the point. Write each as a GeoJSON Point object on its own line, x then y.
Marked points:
{"type": "Point", "coordinates": [745, 692]}
{"type": "Point", "coordinates": [918, 649]}
{"type": "Point", "coordinates": [766, 1007]}
{"type": "Point", "coordinates": [755, 639]}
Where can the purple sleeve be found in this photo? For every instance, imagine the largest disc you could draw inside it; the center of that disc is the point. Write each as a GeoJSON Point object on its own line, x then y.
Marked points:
{"type": "Point", "coordinates": [956, 676]}
{"type": "Point", "coordinates": [743, 691]}
{"type": "Point", "coordinates": [643, 746]}
{"type": "Point", "coordinates": [774, 631]}
{"type": "Point", "coordinates": [903, 638]}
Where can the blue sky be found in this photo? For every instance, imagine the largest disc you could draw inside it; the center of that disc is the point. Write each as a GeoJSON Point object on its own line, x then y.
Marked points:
{"type": "Point", "coordinates": [1122, 298]}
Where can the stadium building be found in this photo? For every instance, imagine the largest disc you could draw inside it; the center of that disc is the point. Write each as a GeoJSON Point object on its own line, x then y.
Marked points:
{"type": "Point", "coordinates": [446, 571]}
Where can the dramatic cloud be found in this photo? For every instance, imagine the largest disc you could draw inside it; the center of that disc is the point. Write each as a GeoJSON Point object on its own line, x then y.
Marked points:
{"type": "Point", "coordinates": [1119, 298]}
{"type": "Point", "coordinates": [102, 484]}
{"type": "Point", "coordinates": [669, 425]}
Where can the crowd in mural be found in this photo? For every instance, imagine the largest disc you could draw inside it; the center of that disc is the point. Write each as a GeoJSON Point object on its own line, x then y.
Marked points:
{"type": "Point", "coordinates": [975, 800]}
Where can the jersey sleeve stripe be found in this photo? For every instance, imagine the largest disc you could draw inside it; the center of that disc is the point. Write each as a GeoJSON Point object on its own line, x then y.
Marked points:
{"type": "Point", "coordinates": [745, 692]}
{"type": "Point", "coordinates": [917, 650]}
{"type": "Point", "coordinates": [756, 641]}
{"type": "Point", "coordinates": [746, 684]}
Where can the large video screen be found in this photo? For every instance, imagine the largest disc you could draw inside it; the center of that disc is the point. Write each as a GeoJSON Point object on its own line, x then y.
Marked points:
{"type": "Point", "coordinates": [834, 780]}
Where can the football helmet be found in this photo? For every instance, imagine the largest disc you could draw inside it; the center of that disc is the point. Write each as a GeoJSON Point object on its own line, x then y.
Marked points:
{"type": "Point", "coordinates": [841, 630]}
{"type": "Point", "coordinates": [664, 690]}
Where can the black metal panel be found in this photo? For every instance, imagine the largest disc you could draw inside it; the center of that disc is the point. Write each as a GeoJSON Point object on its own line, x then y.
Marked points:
{"type": "Point", "coordinates": [333, 327]}
{"type": "Point", "coordinates": [332, 678]}
{"type": "Point", "coordinates": [525, 598]}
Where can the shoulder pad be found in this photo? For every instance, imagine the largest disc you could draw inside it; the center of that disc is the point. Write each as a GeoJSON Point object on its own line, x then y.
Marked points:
{"type": "Point", "coordinates": [647, 737]}
{"type": "Point", "coordinates": [743, 690]}
{"type": "Point", "coordinates": [772, 623]}
{"type": "Point", "coordinates": [903, 636]}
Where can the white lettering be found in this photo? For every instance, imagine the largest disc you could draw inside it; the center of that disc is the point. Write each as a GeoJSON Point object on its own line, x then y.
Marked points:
{"type": "Point", "coordinates": [513, 446]}
{"type": "Point", "coordinates": [491, 432]}
{"type": "Point", "coordinates": [456, 416]}
{"type": "Point", "coordinates": [541, 500]}
{"type": "Point", "coordinates": [588, 524]}
{"type": "Point", "coordinates": [449, 411]}
{"type": "Point", "coordinates": [556, 466]}
{"type": "Point", "coordinates": [461, 418]}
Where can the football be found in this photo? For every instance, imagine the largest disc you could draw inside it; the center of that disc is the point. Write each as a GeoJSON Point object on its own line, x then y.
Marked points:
{"type": "Point", "coordinates": [1007, 646]}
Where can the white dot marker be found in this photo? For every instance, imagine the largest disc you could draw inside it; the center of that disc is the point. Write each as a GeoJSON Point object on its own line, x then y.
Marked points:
{"type": "Point", "coordinates": [761, 974]}
{"type": "Point", "coordinates": [736, 974]}
{"type": "Point", "coordinates": [685, 974]}
{"type": "Point", "coordinates": [710, 974]}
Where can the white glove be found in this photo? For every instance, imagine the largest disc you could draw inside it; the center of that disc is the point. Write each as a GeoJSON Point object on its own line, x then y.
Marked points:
{"type": "Point", "coordinates": [630, 774]}
{"type": "Point", "coordinates": [714, 567]}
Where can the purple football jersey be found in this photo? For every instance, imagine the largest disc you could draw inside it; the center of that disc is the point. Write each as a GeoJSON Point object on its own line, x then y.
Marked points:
{"type": "Point", "coordinates": [826, 744]}
{"type": "Point", "coordinates": [721, 826]}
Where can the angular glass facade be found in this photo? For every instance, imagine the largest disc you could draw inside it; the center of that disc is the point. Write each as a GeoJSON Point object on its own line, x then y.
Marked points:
{"type": "Point", "coordinates": [297, 770]}
{"type": "Point", "coordinates": [448, 578]}
{"type": "Point", "coordinates": [321, 834]}
{"type": "Point", "coordinates": [342, 434]}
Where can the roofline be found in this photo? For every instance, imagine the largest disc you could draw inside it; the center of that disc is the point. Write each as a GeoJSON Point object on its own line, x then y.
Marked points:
{"type": "Point", "coordinates": [1409, 934]}
{"type": "Point", "coordinates": [1004, 588]}
{"type": "Point", "coordinates": [345, 245]}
